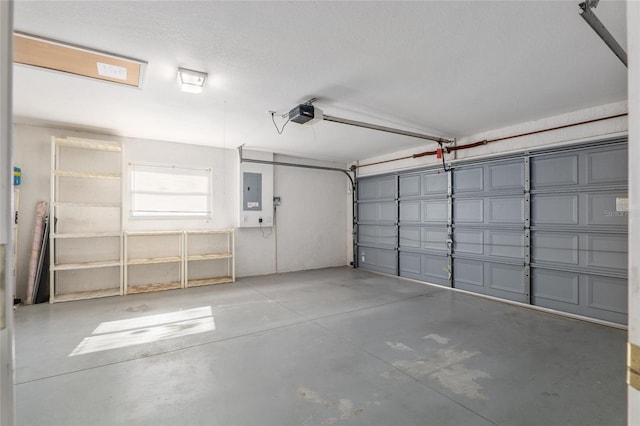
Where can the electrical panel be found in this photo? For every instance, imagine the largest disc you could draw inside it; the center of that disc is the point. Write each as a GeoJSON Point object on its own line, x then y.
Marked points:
{"type": "Point", "coordinates": [256, 191]}
{"type": "Point", "coordinates": [252, 191]}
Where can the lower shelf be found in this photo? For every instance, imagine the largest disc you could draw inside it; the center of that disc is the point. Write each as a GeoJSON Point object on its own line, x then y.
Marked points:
{"type": "Point", "coordinates": [134, 289]}
{"type": "Point", "coordinates": [209, 281]}
{"type": "Point", "coordinates": [82, 295]}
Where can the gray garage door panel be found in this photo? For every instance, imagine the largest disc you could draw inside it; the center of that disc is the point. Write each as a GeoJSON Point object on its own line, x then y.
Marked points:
{"type": "Point", "coordinates": [468, 180]}
{"type": "Point", "coordinates": [606, 293]}
{"type": "Point", "coordinates": [424, 267]}
{"type": "Point", "coordinates": [540, 229]}
{"type": "Point", "coordinates": [382, 236]}
{"type": "Point", "coordinates": [593, 296]}
{"type": "Point", "coordinates": [493, 279]}
{"type": "Point", "coordinates": [468, 211]}
{"type": "Point", "coordinates": [469, 241]}
{"type": "Point", "coordinates": [500, 210]}
{"type": "Point", "coordinates": [596, 208]}
{"type": "Point", "coordinates": [373, 189]}
{"type": "Point", "coordinates": [500, 243]}
{"type": "Point", "coordinates": [425, 184]}
{"type": "Point", "coordinates": [503, 243]}
{"type": "Point", "coordinates": [376, 259]}
{"type": "Point", "coordinates": [589, 167]}
{"type": "Point", "coordinates": [555, 247]}
{"type": "Point", "coordinates": [606, 251]}
{"type": "Point", "coordinates": [499, 176]}
{"type": "Point", "coordinates": [555, 209]}
{"type": "Point", "coordinates": [554, 171]}
{"type": "Point", "coordinates": [427, 211]}
{"type": "Point", "coordinates": [505, 176]}
{"type": "Point", "coordinates": [604, 166]}
{"type": "Point", "coordinates": [424, 238]}
{"type": "Point", "coordinates": [377, 212]}
{"type": "Point", "coordinates": [505, 210]}
{"type": "Point", "coordinates": [601, 209]}
{"type": "Point", "coordinates": [580, 249]}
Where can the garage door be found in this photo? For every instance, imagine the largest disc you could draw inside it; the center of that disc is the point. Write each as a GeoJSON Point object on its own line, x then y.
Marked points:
{"type": "Point", "coordinates": [377, 222]}
{"type": "Point", "coordinates": [424, 227]}
{"type": "Point", "coordinates": [579, 233]}
{"type": "Point", "coordinates": [489, 229]}
{"type": "Point", "coordinates": [546, 228]}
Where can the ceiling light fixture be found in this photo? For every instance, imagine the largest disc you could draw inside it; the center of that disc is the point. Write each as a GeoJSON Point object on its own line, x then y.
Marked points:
{"type": "Point", "coordinates": [191, 81]}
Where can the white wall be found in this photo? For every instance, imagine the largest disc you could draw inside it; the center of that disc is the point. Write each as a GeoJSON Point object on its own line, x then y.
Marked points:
{"type": "Point", "coordinates": [255, 255]}
{"type": "Point", "coordinates": [592, 131]}
{"type": "Point", "coordinates": [633, 46]}
{"type": "Point", "coordinates": [312, 220]}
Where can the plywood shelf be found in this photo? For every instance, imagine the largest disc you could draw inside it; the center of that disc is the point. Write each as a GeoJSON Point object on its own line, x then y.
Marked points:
{"type": "Point", "coordinates": [88, 235]}
{"type": "Point", "coordinates": [100, 205]}
{"type": "Point", "coordinates": [210, 256]}
{"type": "Point", "coordinates": [84, 265]}
{"type": "Point", "coordinates": [209, 281]}
{"type": "Point", "coordinates": [210, 231]}
{"type": "Point", "coordinates": [154, 260]}
{"type": "Point", "coordinates": [82, 295]}
{"type": "Point", "coordinates": [85, 175]}
{"type": "Point", "coordinates": [152, 233]}
{"type": "Point", "coordinates": [88, 144]}
{"type": "Point", "coordinates": [135, 289]}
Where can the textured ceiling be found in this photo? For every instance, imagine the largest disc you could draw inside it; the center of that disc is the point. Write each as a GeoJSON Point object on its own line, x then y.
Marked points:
{"type": "Point", "coordinates": [447, 68]}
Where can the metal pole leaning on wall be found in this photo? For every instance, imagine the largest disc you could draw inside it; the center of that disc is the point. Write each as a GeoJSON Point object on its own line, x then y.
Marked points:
{"type": "Point", "coordinates": [311, 166]}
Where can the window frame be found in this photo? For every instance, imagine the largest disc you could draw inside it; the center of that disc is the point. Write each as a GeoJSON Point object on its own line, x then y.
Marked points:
{"type": "Point", "coordinates": [169, 169]}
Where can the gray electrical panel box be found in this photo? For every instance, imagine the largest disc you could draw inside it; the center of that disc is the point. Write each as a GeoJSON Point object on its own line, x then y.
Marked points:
{"type": "Point", "coordinates": [252, 191]}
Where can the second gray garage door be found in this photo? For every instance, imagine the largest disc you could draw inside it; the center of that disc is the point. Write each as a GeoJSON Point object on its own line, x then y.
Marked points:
{"type": "Point", "coordinates": [546, 228]}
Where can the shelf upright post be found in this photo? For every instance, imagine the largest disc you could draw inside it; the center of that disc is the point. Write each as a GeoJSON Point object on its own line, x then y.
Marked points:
{"type": "Point", "coordinates": [52, 219]}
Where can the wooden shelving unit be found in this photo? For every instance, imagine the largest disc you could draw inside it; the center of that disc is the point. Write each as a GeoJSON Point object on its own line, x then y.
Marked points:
{"type": "Point", "coordinates": [153, 248]}
{"type": "Point", "coordinates": [213, 251]}
{"type": "Point", "coordinates": [88, 244]}
{"type": "Point", "coordinates": [86, 232]}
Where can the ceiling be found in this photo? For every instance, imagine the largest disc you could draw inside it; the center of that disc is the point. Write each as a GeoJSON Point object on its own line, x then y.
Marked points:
{"type": "Point", "coordinates": [446, 68]}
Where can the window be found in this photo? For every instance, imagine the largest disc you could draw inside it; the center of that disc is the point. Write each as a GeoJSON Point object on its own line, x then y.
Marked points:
{"type": "Point", "coordinates": [161, 190]}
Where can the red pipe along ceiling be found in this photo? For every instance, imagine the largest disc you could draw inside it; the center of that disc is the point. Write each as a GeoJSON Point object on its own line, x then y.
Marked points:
{"type": "Point", "coordinates": [484, 142]}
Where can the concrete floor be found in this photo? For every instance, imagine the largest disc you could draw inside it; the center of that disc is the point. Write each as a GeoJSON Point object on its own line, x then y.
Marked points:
{"type": "Point", "coordinates": [332, 346]}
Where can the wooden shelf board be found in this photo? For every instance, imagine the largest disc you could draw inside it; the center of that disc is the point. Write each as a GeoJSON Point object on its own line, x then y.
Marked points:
{"type": "Point", "coordinates": [210, 231]}
{"type": "Point", "coordinates": [84, 265]}
{"type": "Point", "coordinates": [152, 233]}
{"type": "Point", "coordinates": [87, 235]}
{"type": "Point", "coordinates": [209, 281]}
{"type": "Point", "coordinates": [154, 260]}
{"type": "Point", "coordinates": [109, 205]}
{"type": "Point", "coordinates": [211, 256]}
{"type": "Point", "coordinates": [82, 295]}
{"type": "Point", "coordinates": [135, 289]}
{"type": "Point", "coordinates": [88, 144]}
{"type": "Point", "coordinates": [89, 175]}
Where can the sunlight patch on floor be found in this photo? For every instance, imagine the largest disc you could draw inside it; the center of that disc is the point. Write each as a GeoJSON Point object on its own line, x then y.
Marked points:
{"type": "Point", "coordinates": [152, 328]}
